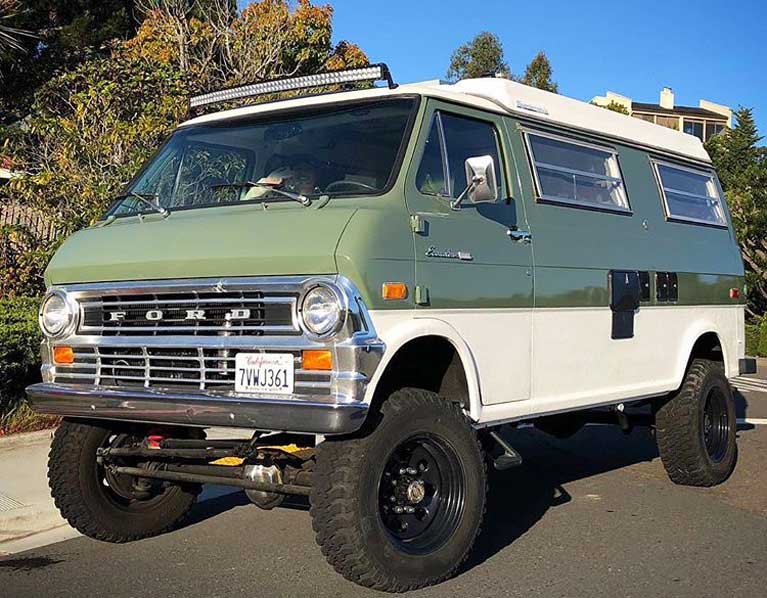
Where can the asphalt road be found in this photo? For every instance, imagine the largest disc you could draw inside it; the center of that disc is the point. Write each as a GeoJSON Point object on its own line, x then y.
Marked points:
{"type": "Point", "coordinates": [591, 516]}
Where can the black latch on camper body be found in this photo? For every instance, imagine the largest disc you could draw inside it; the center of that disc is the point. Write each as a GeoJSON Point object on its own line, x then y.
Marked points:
{"type": "Point", "coordinates": [666, 287]}
{"type": "Point", "coordinates": [645, 293]}
{"type": "Point", "coordinates": [625, 296]}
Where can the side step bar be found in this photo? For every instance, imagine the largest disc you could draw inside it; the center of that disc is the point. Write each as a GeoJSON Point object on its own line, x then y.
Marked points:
{"type": "Point", "coordinates": [509, 458]}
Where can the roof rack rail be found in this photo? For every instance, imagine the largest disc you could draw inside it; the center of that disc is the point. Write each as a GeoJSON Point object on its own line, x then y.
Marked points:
{"type": "Point", "coordinates": [374, 72]}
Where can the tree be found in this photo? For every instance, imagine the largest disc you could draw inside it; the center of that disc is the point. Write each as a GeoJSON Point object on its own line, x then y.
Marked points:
{"type": "Point", "coordinates": [10, 37]}
{"type": "Point", "coordinates": [66, 32]}
{"type": "Point", "coordinates": [92, 125]}
{"type": "Point", "coordinates": [538, 73]}
{"type": "Point", "coordinates": [614, 106]}
{"type": "Point", "coordinates": [268, 40]}
{"type": "Point", "coordinates": [742, 168]}
{"type": "Point", "coordinates": [481, 56]}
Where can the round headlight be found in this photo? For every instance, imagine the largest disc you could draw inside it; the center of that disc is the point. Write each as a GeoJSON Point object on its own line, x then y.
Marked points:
{"type": "Point", "coordinates": [321, 310]}
{"type": "Point", "coordinates": [56, 314]}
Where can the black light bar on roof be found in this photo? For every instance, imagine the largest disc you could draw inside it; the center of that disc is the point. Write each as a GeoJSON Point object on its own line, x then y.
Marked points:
{"type": "Point", "coordinates": [375, 72]}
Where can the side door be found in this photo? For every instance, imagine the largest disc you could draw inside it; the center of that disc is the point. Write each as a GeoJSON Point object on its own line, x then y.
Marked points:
{"type": "Point", "coordinates": [595, 340]}
{"type": "Point", "coordinates": [474, 263]}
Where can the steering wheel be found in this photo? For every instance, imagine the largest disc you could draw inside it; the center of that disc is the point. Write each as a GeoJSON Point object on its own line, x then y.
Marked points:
{"type": "Point", "coordinates": [341, 183]}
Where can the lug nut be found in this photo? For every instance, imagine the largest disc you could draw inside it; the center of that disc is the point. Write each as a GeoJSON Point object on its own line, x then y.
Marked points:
{"type": "Point", "coordinates": [398, 510]}
{"type": "Point", "coordinates": [409, 510]}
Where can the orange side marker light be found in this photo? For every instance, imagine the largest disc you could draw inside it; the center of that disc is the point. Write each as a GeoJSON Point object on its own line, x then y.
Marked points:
{"type": "Point", "coordinates": [63, 355]}
{"type": "Point", "coordinates": [317, 359]}
{"type": "Point", "coordinates": [392, 291]}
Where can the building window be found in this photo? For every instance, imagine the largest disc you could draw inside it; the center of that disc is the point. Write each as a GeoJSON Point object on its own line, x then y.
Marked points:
{"type": "Point", "coordinates": [576, 173]}
{"type": "Point", "coordinates": [648, 117]}
{"type": "Point", "coordinates": [670, 122]}
{"type": "Point", "coordinates": [694, 127]}
{"type": "Point", "coordinates": [713, 128]}
{"type": "Point", "coordinates": [690, 195]}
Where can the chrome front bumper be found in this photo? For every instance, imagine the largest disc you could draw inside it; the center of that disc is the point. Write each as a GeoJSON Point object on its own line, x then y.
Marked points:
{"type": "Point", "coordinates": [318, 416]}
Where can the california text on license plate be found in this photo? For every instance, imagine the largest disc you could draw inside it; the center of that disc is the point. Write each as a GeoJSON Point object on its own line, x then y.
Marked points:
{"type": "Point", "coordinates": [264, 372]}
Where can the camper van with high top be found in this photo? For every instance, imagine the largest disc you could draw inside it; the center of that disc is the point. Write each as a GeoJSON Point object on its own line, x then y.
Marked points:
{"type": "Point", "coordinates": [373, 288]}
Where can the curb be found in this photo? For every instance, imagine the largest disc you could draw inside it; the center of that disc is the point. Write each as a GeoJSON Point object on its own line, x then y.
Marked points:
{"type": "Point", "coordinates": [16, 440]}
{"type": "Point", "coordinates": [28, 521]}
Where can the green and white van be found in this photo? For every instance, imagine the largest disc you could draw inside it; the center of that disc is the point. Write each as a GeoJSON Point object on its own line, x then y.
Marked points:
{"type": "Point", "coordinates": [379, 286]}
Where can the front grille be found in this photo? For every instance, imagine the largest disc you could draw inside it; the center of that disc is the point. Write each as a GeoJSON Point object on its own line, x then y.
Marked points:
{"type": "Point", "coordinates": [190, 312]}
{"type": "Point", "coordinates": [187, 369]}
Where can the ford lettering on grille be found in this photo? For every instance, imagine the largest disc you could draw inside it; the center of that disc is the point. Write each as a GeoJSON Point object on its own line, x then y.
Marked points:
{"type": "Point", "coordinates": [239, 312]}
{"type": "Point", "coordinates": [191, 314]}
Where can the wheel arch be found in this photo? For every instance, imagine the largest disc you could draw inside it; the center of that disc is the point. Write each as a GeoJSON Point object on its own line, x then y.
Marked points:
{"type": "Point", "coordinates": [702, 341]}
{"type": "Point", "coordinates": [404, 340]}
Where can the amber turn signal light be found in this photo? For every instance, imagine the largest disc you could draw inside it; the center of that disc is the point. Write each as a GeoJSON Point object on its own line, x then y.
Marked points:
{"type": "Point", "coordinates": [394, 290]}
{"type": "Point", "coordinates": [316, 359]}
{"type": "Point", "coordinates": [63, 355]}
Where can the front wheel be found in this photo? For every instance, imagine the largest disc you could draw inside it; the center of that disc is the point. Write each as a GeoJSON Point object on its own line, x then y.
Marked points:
{"type": "Point", "coordinates": [400, 508]}
{"type": "Point", "coordinates": [696, 428]}
{"type": "Point", "coordinates": [102, 505]}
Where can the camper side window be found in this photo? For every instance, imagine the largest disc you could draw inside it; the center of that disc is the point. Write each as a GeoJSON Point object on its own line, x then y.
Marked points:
{"type": "Point", "coordinates": [690, 195]}
{"type": "Point", "coordinates": [576, 173]}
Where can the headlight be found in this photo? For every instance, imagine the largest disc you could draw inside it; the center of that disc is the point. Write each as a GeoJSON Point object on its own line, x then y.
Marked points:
{"type": "Point", "coordinates": [56, 314]}
{"type": "Point", "coordinates": [322, 311]}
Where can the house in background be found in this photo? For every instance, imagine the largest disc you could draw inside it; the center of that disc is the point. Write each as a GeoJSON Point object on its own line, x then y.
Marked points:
{"type": "Point", "coordinates": [704, 121]}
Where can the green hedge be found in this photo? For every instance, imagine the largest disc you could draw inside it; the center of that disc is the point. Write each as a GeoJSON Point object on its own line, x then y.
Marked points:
{"type": "Point", "coordinates": [762, 349]}
{"type": "Point", "coordinates": [756, 339]}
{"type": "Point", "coordinates": [752, 339]}
{"type": "Point", "coordinates": [19, 349]}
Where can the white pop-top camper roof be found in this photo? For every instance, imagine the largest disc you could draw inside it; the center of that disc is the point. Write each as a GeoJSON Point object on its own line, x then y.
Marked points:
{"type": "Point", "coordinates": [505, 96]}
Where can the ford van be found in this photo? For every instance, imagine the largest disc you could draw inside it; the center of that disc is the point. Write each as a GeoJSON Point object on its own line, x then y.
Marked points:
{"type": "Point", "coordinates": [372, 289]}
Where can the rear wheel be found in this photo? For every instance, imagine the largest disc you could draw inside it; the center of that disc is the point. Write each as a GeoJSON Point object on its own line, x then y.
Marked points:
{"type": "Point", "coordinates": [103, 505]}
{"type": "Point", "coordinates": [400, 508]}
{"type": "Point", "coordinates": [696, 428]}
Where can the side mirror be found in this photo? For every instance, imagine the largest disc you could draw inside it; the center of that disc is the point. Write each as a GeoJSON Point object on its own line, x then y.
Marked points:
{"type": "Point", "coordinates": [481, 186]}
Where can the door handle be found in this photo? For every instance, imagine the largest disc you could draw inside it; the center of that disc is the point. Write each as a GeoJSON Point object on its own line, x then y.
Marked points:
{"type": "Point", "coordinates": [520, 236]}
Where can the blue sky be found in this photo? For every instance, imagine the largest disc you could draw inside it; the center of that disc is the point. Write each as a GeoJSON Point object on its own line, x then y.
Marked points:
{"type": "Point", "coordinates": [708, 49]}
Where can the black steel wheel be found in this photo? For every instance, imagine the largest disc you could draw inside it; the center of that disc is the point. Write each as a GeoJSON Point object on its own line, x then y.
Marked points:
{"type": "Point", "coordinates": [105, 506]}
{"type": "Point", "coordinates": [696, 428]}
{"type": "Point", "coordinates": [400, 507]}
{"type": "Point", "coordinates": [716, 427]}
{"type": "Point", "coordinates": [421, 494]}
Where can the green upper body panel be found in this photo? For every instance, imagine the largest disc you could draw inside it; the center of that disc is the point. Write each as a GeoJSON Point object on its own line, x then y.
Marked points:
{"type": "Point", "coordinates": [246, 240]}
{"type": "Point", "coordinates": [369, 239]}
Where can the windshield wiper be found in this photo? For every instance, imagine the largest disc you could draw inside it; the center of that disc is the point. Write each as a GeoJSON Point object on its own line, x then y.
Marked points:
{"type": "Point", "coordinates": [302, 199]}
{"type": "Point", "coordinates": [142, 197]}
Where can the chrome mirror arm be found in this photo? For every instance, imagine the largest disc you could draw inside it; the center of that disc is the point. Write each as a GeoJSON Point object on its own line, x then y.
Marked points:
{"type": "Point", "coordinates": [456, 203]}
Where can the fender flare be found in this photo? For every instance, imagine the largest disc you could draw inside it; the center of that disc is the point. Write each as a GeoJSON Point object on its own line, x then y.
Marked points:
{"type": "Point", "coordinates": [413, 328]}
{"type": "Point", "coordinates": [693, 334]}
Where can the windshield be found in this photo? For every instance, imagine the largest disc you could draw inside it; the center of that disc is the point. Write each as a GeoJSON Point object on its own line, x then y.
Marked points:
{"type": "Point", "coordinates": [333, 150]}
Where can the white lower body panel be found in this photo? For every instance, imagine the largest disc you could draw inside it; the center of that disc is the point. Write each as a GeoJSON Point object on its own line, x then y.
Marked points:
{"type": "Point", "coordinates": [531, 362]}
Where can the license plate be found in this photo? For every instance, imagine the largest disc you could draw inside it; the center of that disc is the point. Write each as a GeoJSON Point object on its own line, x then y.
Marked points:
{"type": "Point", "coordinates": [264, 373]}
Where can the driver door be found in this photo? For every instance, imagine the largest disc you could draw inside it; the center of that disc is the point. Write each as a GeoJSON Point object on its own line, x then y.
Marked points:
{"type": "Point", "coordinates": [470, 271]}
